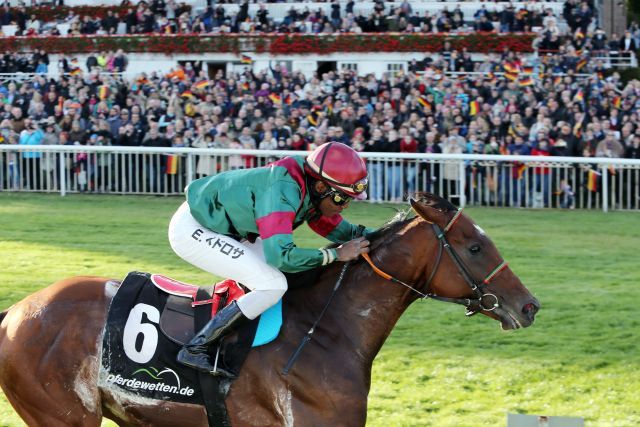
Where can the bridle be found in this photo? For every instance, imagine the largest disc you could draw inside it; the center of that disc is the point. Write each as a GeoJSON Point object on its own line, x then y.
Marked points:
{"type": "Point", "coordinates": [481, 301]}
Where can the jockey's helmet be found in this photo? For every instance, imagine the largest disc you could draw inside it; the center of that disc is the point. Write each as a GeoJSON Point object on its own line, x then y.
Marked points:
{"type": "Point", "coordinates": [340, 167]}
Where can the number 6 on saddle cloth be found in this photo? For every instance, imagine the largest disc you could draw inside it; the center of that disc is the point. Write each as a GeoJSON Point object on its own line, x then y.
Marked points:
{"type": "Point", "coordinates": [176, 321]}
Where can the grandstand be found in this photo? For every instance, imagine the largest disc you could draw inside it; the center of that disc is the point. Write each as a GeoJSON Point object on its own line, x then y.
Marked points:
{"type": "Point", "coordinates": [412, 78]}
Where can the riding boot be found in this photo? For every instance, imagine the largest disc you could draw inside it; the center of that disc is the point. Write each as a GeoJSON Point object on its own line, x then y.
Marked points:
{"type": "Point", "coordinates": [195, 353]}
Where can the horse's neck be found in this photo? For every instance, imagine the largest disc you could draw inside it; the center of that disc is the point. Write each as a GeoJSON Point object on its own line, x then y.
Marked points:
{"type": "Point", "coordinates": [366, 307]}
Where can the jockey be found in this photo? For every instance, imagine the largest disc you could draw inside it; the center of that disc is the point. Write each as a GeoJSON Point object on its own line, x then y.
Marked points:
{"type": "Point", "coordinates": [239, 225]}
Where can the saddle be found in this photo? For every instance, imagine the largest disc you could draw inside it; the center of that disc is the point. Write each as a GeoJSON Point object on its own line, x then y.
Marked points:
{"type": "Point", "coordinates": [177, 317]}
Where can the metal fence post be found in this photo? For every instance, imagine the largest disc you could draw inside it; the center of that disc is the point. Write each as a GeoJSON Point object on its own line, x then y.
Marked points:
{"type": "Point", "coordinates": [463, 183]}
{"type": "Point", "coordinates": [190, 170]}
{"type": "Point", "coordinates": [63, 173]}
{"type": "Point", "coordinates": [605, 188]}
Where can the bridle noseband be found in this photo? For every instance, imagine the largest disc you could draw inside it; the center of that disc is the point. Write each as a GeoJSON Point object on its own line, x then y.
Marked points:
{"type": "Point", "coordinates": [481, 301]}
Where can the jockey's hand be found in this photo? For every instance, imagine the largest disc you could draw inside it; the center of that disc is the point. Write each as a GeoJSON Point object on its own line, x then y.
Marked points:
{"type": "Point", "coordinates": [352, 249]}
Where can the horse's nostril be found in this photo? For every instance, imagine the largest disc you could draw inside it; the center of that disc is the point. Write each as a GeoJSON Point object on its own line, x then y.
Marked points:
{"type": "Point", "coordinates": [530, 309]}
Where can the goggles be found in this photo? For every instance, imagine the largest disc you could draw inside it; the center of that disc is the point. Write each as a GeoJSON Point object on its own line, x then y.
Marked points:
{"type": "Point", "coordinates": [338, 198]}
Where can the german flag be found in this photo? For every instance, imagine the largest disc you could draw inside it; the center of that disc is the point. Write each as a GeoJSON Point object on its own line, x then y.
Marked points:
{"type": "Point", "coordinates": [187, 94]}
{"type": "Point", "coordinates": [314, 117]}
{"type": "Point", "coordinates": [474, 108]}
{"type": "Point", "coordinates": [557, 80]}
{"type": "Point", "coordinates": [580, 65]}
{"type": "Point", "coordinates": [275, 98]}
{"type": "Point", "coordinates": [527, 70]}
{"type": "Point", "coordinates": [592, 180]}
{"type": "Point", "coordinates": [511, 76]}
{"type": "Point", "coordinates": [526, 81]}
{"type": "Point", "coordinates": [245, 86]}
{"type": "Point", "coordinates": [172, 164]}
{"type": "Point", "coordinates": [577, 129]}
{"type": "Point", "coordinates": [423, 101]}
{"type": "Point", "coordinates": [75, 72]}
{"type": "Point", "coordinates": [616, 101]}
{"type": "Point", "coordinates": [246, 59]}
{"type": "Point", "coordinates": [288, 100]}
{"type": "Point", "coordinates": [510, 67]}
{"type": "Point", "coordinates": [579, 96]}
{"type": "Point", "coordinates": [202, 84]}
{"type": "Point", "coordinates": [103, 92]}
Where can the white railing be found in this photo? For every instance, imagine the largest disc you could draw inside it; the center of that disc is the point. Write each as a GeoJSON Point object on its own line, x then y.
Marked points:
{"type": "Point", "coordinates": [615, 59]}
{"type": "Point", "coordinates": [491, 180]}
{"type": "Point", "coordinates": [278, 11]}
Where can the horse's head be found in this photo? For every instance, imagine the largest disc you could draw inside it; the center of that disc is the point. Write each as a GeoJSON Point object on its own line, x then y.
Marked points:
{"type": "Point", "coordinates": [468, 268]}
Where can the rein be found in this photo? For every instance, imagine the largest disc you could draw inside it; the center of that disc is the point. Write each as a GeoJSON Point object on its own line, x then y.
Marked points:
{"type": "Point", "coordinates": [482, 301]}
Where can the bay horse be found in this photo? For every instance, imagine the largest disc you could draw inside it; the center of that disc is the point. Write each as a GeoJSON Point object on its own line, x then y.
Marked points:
{"type": "Point", "coordinates": [50, 342]}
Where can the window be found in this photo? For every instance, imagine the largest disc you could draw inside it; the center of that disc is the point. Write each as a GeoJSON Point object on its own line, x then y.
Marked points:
{"type": "Point", "coordinates": [352, 66]}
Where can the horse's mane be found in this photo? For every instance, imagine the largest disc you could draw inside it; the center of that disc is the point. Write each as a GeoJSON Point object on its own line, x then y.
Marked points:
{"type": "Point", "coordinates": [382, 235]}
{"type": "Point", "coordinates": [389, 228]}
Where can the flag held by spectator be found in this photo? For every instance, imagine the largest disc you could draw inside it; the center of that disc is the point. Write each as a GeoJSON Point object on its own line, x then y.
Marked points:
{"type": "Point", "coordinates": [246, 59]}
{"type": "Point", "coordinates": [616, 101]}
{"type": "Point", "coordinates": [172, 164]}
{"type": "Point", "coordinates": [474, 108]}
{"type": "Point", "coordinates": [103, 92]}
{"type": "Point", "coordinates": [580, 65]}
{"type": "Point", "coordinates": [288, 100]}
{"type": "Point", "coordinates": [526, 81]}
{"type": "Point", "coordinates": [592, 180]}
{"type": "Point", "coordinates": [511, 76]}
{"type": "Point", "coordinates": [275, 98]}
{"type": "Point", "coordinates": [202, 84]}
{"type": "Point", "coordinates": [245, 86]}
{"type": "Point", "coordinates": [577, 129]}
{"type": "Point", "coordinates": [579, 96]}
{"type": "Point", "coordinates": [187, 94]}
{"type": "Point", "coordinates": [510, 67]}
{"type": "Point", "coordinates": [527, 70]}
{"type": "Point", "coordinates": [557, 80]}
{"type": "Point", "coordinates": [314, 117]}
{"type": "Point", "coordinates": [424, 102]}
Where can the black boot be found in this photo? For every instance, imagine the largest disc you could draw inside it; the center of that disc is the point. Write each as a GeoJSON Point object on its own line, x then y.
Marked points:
{"type": "Point", "coordinates": [195, 353]}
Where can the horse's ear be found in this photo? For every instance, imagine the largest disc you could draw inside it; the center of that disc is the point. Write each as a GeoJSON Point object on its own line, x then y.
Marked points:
{"type": "Point", "coordinates": [428, 213]}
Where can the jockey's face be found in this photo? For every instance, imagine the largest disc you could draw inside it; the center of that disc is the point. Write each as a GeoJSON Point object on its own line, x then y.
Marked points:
{"type": "Point", "coordinates": [327, 206]}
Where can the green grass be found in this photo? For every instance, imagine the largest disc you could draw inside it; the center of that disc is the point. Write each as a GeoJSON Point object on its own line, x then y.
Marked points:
{"type": "Point", "coordinates": [438, 368]}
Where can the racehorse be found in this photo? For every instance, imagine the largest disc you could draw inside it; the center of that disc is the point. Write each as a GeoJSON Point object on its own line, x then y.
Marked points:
{"type": "Point", "coordinates": [50, 342]}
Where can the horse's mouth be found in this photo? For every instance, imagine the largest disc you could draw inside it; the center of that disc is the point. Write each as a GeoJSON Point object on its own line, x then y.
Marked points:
{"type": "Point", "coordinates": [508, 321]}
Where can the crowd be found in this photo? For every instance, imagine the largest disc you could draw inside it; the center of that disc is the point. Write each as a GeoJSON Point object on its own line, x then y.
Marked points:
{"type": "Point", "coordinates": [169, 16]}
{"type": "Point", "coordinates": [424, 110]}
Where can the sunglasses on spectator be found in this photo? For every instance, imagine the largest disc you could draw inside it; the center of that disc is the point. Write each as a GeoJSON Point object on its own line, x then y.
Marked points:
{"type": "Point", "coordinates": [338, 198]}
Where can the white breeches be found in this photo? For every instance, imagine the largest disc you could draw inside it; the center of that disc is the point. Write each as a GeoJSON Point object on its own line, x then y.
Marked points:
{"type": "Point", "coordinates": [223, 256]}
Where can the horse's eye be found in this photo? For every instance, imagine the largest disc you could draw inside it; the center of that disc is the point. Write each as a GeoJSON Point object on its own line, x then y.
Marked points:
{"type": "Point", "coordinates": [475, 249]}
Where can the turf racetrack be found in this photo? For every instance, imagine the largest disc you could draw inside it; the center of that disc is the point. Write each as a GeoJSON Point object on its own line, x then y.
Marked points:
{"type": "Point", "coordinates": [437, 368]}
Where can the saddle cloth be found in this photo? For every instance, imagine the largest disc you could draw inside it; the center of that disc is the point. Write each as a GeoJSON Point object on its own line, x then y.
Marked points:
{"type": "Point", "coordinates": [147, 325]}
